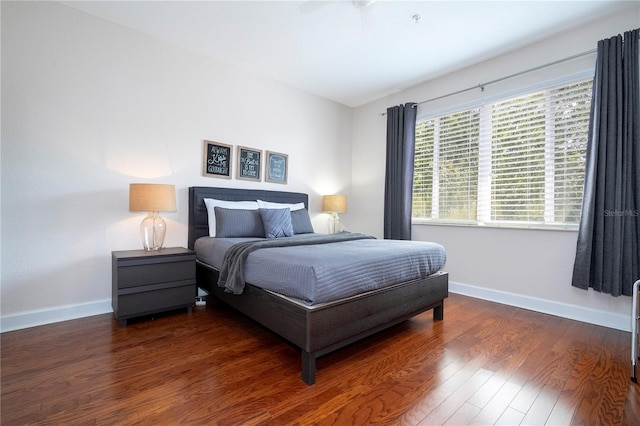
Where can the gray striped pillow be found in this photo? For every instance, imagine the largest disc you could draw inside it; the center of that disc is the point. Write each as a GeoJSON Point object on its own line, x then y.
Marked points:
{"type": "Point", "coordinates": [232, 223]}
{"type": "Point", "coordinates": [301, 222]}
{"type": "Point", "coordinates": [277, 222]}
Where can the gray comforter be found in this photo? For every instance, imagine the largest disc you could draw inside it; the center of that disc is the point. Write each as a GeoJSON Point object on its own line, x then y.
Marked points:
{"type": "Point", "coordinates": [319, 273]}
{"type": "Point", "coordinates": [232, 271]}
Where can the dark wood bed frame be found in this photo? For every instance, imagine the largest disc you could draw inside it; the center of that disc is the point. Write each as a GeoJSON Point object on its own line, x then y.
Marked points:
{"type": "Point", "coordinates": [321, 329]}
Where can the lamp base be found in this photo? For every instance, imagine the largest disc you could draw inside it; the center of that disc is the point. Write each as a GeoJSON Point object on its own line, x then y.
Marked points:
{"type": "Point", "coordinates": [334, 223]}
{"type": "Point", "coordinates": [152, 231]}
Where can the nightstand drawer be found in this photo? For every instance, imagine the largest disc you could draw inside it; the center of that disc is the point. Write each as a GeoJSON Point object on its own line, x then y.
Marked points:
{"type": "Point", "coordinates": [140, 275]}
{"type": "Point", "coordinates": [148, 282]}
{"type": "Point", "coordinates": [154, 300]}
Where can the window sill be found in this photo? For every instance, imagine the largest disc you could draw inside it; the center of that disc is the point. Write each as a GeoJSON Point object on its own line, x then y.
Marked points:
{"type": "Point", "coordinates": [505, 225]}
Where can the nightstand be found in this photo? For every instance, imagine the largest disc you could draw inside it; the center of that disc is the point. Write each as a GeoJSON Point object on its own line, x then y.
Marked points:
{"type": "Point", "coordinates": [148, 282]}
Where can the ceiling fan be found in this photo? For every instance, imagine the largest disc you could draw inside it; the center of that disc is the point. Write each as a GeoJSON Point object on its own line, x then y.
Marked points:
{"type": "Point", "coordinates": [366, 8]}
{"type": "Point", "coordinates": [311, 6]}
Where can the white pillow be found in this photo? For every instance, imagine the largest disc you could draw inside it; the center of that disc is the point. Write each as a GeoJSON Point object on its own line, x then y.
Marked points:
{"type": "Point", "coordinates": [212, 203]}
{"type": "Point", "coordinates": [270, 205]}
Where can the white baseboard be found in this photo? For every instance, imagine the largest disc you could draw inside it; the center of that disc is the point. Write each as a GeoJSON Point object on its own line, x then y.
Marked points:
{"type": "Point", "coordinates": [563, 310]}
{"type": "Point", "coordinates": [48, 316]}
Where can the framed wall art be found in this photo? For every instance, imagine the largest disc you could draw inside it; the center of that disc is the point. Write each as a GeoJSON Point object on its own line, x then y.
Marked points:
{"type": "Point", "coordinates": [249, 165]}
{"type": "Point", "coordinates": [216, 159]}
{"type": "Point", "coordinates": [277, 167]}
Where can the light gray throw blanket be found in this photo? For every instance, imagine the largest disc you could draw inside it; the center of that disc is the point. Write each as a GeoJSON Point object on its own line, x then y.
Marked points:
{"type": "Point", "coordinates": [232, 272]}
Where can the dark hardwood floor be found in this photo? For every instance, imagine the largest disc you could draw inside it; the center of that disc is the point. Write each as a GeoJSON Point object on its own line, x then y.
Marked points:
{"type": "Point", "coordinates": [486, 363]}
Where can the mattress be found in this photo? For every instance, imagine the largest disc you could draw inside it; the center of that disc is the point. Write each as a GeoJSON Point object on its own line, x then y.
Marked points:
{"type": "Point", "coordinates": [314, 274]}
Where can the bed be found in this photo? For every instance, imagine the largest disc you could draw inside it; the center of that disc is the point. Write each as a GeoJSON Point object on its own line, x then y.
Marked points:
{"type": "Point", "coordinates": [316, 329]}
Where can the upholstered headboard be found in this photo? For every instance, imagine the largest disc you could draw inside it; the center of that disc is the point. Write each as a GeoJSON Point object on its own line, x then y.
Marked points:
{"type": "Point", "coordinates": [198, 219]}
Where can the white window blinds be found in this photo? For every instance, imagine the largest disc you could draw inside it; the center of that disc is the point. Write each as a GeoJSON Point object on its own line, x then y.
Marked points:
{"type": "Point", "coordinates": [518, 161]}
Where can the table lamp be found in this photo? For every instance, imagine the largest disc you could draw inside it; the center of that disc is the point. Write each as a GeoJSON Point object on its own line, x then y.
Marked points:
{"type": "Point", "coordinates": [334, 204]}
{"type": "Point", "coordinates": [152, 198]}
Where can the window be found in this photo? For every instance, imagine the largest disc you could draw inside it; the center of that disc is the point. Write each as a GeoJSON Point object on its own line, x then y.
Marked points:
{"type": "Point", "coordinates": [517, 161]}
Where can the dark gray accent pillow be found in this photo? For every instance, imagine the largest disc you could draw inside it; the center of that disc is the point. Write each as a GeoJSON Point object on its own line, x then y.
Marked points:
{"type": "Point", "coordinates": [277, 222]}
{"type": "Point", "coordinates": [232, 223]}
{"type": "Point", "coordinates": [301, 222]}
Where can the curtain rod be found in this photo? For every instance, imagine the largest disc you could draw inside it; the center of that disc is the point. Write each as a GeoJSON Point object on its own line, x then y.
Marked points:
{"type": "Point", "coordinates": [482, 85]}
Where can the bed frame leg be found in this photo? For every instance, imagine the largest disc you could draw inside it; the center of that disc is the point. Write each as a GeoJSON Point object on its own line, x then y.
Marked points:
{"type": "Point", "coordinates": [438, 312]}
{"type": "Point", "coordinates": [308, 367]}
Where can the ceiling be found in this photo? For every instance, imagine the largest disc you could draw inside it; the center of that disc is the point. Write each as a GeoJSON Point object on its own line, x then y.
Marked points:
{"type": "Point", "coordinates": [351, 52]}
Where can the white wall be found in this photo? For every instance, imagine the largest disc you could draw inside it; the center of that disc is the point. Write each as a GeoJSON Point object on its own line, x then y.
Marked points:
{"type": "Point", "coordinates": [89, 107]}
{"type": "Point", "coordinates": [527, 268]}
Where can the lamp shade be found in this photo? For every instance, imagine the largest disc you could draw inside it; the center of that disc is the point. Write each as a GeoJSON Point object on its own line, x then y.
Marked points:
{"type": "Point", "coordinates": [152, 197]}
{"type": "Point", "coordinates": [334, 203]}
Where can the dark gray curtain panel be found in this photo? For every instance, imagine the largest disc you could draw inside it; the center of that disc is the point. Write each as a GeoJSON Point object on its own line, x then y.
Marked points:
{"type": "Point", "coordinates": [607, 256]}
{"type": "Point", "coordinates": [398, 184]}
